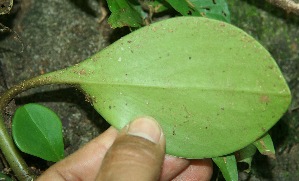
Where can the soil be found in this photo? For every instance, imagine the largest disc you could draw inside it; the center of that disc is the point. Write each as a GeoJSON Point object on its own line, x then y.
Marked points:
{"type": "Point", "coordinates": [59, 33]}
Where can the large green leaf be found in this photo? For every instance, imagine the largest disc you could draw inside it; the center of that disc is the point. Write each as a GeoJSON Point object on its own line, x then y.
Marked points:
{"type": "Point", "coordinates": [38, 131]}
{"type": "Point", "coordinates": [212, 87]}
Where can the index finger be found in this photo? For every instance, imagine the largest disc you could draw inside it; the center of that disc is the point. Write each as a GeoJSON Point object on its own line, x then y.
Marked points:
{"type": "Point", "coordinates": [84, 163]}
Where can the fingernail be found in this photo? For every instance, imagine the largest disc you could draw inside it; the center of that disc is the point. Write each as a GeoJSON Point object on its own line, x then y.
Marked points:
{"type": "Point", "coordinates": [146, 128]}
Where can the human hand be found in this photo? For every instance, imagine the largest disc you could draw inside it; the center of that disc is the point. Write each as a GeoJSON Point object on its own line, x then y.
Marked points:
{"type": "Point", "coordinates": [137, 152]}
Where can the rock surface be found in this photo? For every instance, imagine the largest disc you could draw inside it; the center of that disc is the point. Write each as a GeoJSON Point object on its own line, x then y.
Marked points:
{"type": "Point", "coordinates": [60, 33]}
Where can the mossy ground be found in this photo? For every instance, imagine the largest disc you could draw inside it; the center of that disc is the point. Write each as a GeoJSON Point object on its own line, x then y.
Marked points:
{"type": "Point", "coordinates": [60, 33]}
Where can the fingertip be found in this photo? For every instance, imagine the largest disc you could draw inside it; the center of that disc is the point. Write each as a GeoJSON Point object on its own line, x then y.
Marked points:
{"type": "Point", "coordinates": [136, 154]}
{"type": "Point", "coordinates": [147, 128]}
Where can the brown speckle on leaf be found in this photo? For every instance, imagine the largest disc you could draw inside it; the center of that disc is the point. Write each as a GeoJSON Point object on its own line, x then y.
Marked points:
{"type": "Point", "coordinates": [173, 130]}
{"type": "Point", "coordinates": [82, 72]}
{"type": "Point", "coordinates": [222, 24]}
{"type": "Point", "coordinates": [264, 99]}
{"type": "Point", "coordinates": [271, 67]}
{"type": "Point", "coordinates": [263, 144]}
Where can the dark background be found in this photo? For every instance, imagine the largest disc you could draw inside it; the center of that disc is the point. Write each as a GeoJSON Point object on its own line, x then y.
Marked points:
{"type": "Point", "coordinates": [59, 33]}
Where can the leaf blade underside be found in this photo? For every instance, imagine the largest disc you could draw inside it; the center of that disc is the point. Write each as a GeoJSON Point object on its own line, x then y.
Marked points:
{"type": "Point", "coordinates": [212, 87]}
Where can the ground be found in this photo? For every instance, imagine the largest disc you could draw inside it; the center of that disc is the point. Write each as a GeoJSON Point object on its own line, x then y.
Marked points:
{"type": "Point", "coordinates": [60, 33]}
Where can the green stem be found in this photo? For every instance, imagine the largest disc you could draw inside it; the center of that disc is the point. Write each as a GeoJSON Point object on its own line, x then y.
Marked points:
{"type": "Point", "coordinates": [7, 145]}
{"type": "Point", "coordinates": [12, 155]}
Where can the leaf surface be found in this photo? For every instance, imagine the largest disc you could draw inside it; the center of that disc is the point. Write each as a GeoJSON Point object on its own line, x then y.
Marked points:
{"type": "Point", "coordinates": [212, 87]}
{"type": "Point", "coordinates": [157, 6]}
{"type": "Point", "coordinates": [37, 131]}
{"type": "Point", "coordinates": [245, 155]}
{"type": "Point", "coordinates": [265, 145]}
{"type": "Point", "coordinates": [228, 166]}
{"type": "Point", "coordinates": [123, 13]}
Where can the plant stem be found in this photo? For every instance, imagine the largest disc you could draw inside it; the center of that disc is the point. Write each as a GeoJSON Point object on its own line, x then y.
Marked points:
{"type": "Point", "coordinates": [12, 155]}
{"type": "Point", "coordinates": [7, 145]}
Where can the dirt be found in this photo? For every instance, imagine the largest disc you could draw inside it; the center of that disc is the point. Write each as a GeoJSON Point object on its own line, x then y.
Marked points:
{"type": "Point", "coordinates": [60, 33]}
{"type": "Point", "coordinates": [55, 34]}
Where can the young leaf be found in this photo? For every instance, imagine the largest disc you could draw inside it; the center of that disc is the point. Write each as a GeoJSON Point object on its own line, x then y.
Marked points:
{"type": "Point", "coordinates": [228, 167]}
{"type": "Point", "coordinates": [212, 87]}
{"type": "Point", "coordinates": [123, 13]}
{"type": "Point", "coordinates": [245, 155]}
{"type": "Point", "coordinates": [156, 6]}
{"type": "Point", "coordinates": [207, 8]}
{"type": "Point", "coordinates": [265, 145]}
{"type": "Point", "coordinates": [37, 131]}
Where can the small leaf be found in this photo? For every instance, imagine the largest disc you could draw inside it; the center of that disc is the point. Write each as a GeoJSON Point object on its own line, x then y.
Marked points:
{"type": "Point", "coordinates": [245, 155]}
{"type": "Point", "coordinates": [207, 8]}
{"type": "Point", "coordinates": [228, 167]}
{"type": "Point", "coordinates": [156, 6]}
{"type": "Point", "coordinates": [123, 13]}
{"type": "Point", "coordinates": [38, 131]}
{"type": "Point", "coordinates": [265, 146]}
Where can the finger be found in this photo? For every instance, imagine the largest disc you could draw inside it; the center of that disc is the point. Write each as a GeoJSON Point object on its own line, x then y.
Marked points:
{"type": "Point", "coordinates": [85, 163]}
{"type": "Point", "coordinates": [137, 153]}
{"type": "Point", "coordinates": [198, 170]}
{"type": "Point", "coordinates": [172, 167]}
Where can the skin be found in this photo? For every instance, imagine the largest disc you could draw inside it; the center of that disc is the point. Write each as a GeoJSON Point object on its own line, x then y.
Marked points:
{"type": "Point", "coordinates": [135, 153]}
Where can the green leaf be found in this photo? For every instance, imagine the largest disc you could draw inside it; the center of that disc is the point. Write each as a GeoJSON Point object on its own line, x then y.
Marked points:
{"type": "Point", "coordinates": [208, 8]}
{"type": "Point", "coordinates": [38, 131]}
{"type": "Point", "coordinates": [139, 8]}
{"type": "Point", "coordinates": [228, 167]}
{"type": "Point", "coordinates": [213, 88]}
{"type": "Point", "coordinates": [156, 6]}
{"type": "Point", "coordinates": [123, 13]}
{"type": "Point", "coordinates": [4, 177]}
{"type": "Point", "coordinates": [265, 145]}
{"type": "Point", "coordinates": [245, 155]}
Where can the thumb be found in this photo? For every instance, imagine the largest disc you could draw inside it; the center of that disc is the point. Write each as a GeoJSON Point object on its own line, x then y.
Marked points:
{"type": "Point", "coordinates": [136, 154]}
